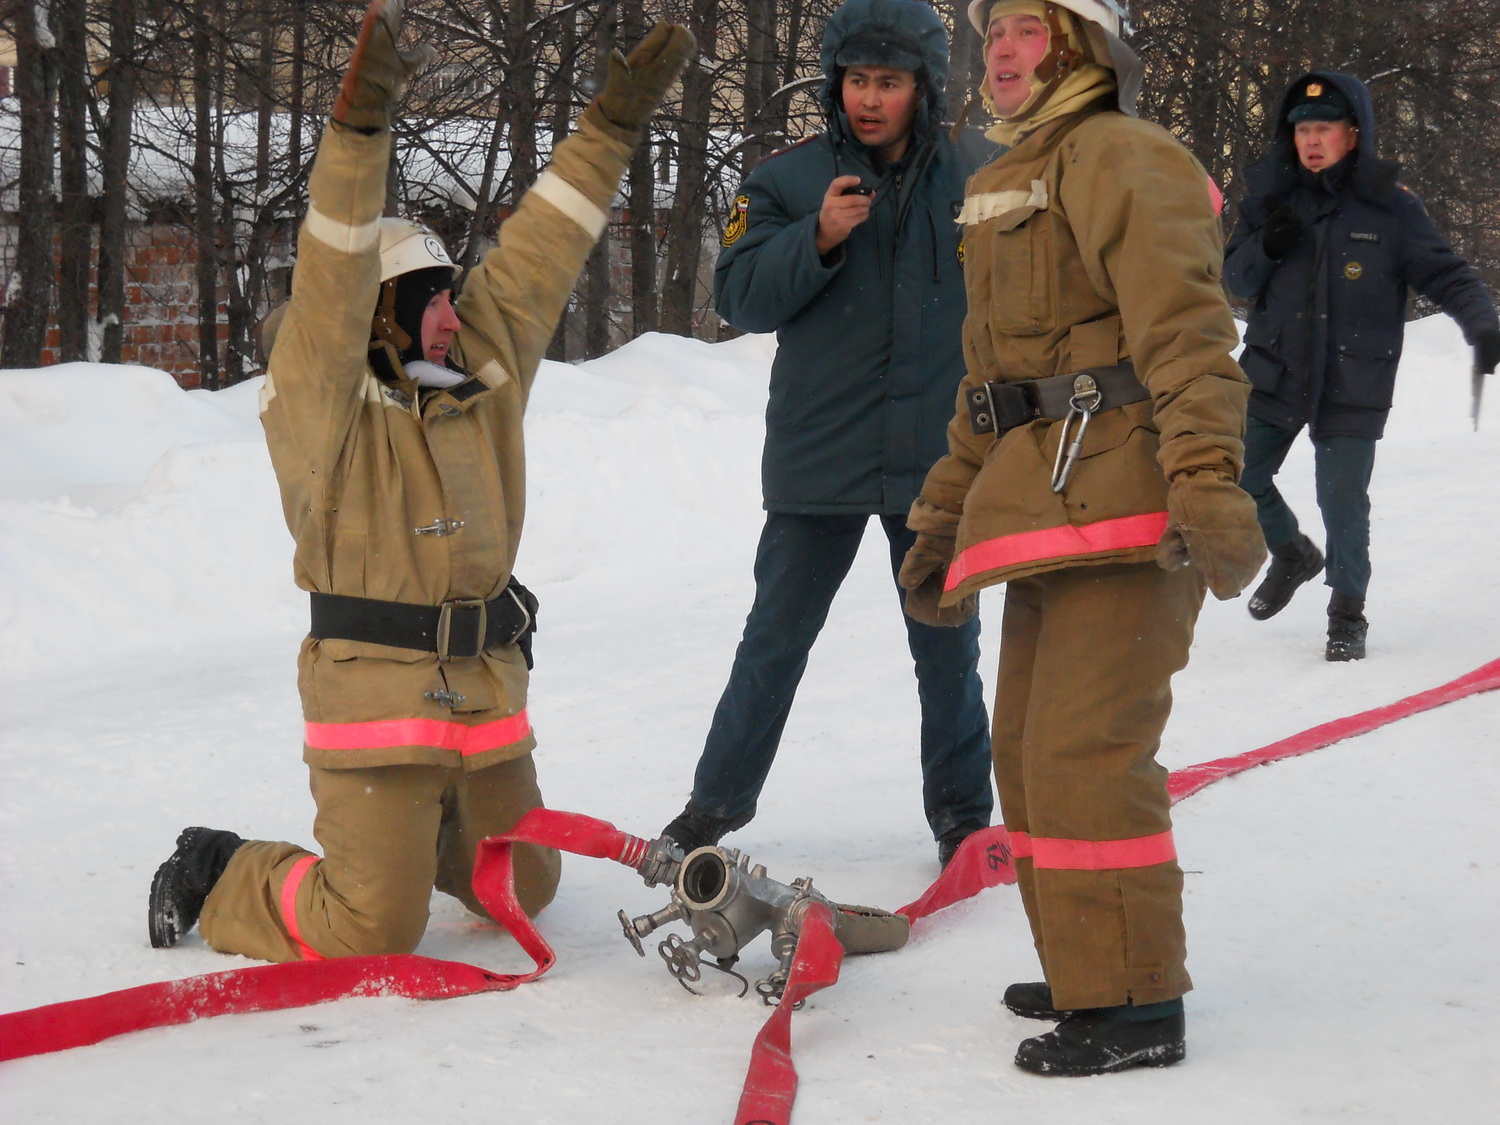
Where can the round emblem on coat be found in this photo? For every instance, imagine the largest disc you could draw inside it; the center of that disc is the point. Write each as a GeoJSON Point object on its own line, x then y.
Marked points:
{"type": "Point", "coordinates": [1354, 271]}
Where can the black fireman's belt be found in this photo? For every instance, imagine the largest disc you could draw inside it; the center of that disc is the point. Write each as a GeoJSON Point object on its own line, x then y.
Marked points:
{"type": "Point", "coordinates": [997, 407]}
{"type": "Point", "coordinates": [463, 627]}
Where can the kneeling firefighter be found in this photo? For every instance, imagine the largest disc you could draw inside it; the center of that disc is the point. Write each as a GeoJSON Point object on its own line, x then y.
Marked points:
{"type": "Point", "coordinates": [1092, 467]}
{"type": "Point", "coordinates": [393, 418]}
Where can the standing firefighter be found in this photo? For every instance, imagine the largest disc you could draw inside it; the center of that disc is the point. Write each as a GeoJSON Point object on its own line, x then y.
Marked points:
{"type": "Point", "coordinates": [394, 424]}
{"type": "Point", "coordinates": [1326, 247]}
{"type": "Point", "coordinates": [844, 246]}
{"type": "Point", "coordinates": [1094, 456]}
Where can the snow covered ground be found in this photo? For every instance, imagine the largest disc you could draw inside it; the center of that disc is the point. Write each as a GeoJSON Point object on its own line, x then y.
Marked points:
{"type": "Point", "coordinates": [1343, 908]}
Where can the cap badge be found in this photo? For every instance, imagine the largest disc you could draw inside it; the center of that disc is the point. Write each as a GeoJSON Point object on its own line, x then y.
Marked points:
{"type": "Point", "coordinates": [1315, 89]}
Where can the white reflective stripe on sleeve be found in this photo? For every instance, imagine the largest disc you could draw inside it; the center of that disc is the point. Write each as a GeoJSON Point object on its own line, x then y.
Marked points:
{"type": "Point", "coordinates": [571, 202]}
{"type": "Point", "coordinates": [990, 204]}
{"type": "Point", "coordinates": [493, 375]}
{"type": "Point", "coordinates": [342, 237]}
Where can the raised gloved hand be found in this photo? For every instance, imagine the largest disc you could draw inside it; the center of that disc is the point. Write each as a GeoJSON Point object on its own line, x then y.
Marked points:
{"type": "Point", "coordinates": [1281, 232]}
{"type": "Point", "coordinates": [926, 566]}
{"type": "Point", "coordinates": [378, 70]}
{"type": "Point", "coordinates": [1487, 351]}
{"type": "Point", "coordinates": [1211, 523]}
{"type": "Point", "coordinates": [636, 84]}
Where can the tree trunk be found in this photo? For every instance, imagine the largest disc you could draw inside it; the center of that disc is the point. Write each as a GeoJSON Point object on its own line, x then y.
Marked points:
{"type": "Point", "coordinates": [562, 105]}
{"type": "Point", "coordinates": [203, 201]}
{"type": "Point", "coordinates": [641, 180]}
{"type": "Point", "coordinates": [685, 246]}
{"type": "Point", "coordinates": [74, 227]}
{"type": "Point", "coordinates": [597, 281]}
{"type": "Point", "coordinates": [28, 295]}
{"type": "Point", "coordinates": [115, 170]}
{"type": "Point", "coordinates": [760, 81]}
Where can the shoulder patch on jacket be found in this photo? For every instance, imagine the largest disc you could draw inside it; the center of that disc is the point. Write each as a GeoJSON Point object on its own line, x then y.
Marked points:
{"type": "Point", "coordinates": [790, 147]}
{"type": "Point", "coordinates": [992, 204]}
{"type": "Point", "coordinates": [739, 220]}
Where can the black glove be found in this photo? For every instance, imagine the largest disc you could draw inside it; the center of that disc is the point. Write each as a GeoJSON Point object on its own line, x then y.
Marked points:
{"type": "Point", "coordinates": [1487, 351]}
{"type": "Point", "coordinates": [1281, 232]}
{"type": "Point", "coordinates": [528, 600]}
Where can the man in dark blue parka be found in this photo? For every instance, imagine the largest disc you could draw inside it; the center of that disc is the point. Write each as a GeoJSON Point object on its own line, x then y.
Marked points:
{"type": "Point", "coordinates": [845, 246]}
{"type": "Point", "coordinates": [1326, 246]}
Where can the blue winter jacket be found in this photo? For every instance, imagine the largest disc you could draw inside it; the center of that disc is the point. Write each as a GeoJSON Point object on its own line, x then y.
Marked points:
{"type": "Point", "coordinates": [1327, 320]}
{"type": "Point", "coordinates": [870, 338]}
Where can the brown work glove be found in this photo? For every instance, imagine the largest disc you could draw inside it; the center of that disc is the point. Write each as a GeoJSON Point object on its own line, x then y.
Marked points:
{"type": "Point", "coordinates": [636, 85]}
{"type": "Point", "coordinates": [1211, 523]}
{"type": "Point", "coordinates": [378, 70]}
{"type": "Point", "coordinates": [926, 566]}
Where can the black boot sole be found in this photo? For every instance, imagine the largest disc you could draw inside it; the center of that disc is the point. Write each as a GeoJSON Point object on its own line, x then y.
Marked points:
{"type": "Point", "coordinates": [1262, 608]}
{"type": "Point", "coordinates": [1164, 1055]}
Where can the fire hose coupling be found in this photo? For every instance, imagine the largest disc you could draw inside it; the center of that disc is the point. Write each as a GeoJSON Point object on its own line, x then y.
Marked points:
{"type": "Point", "coordinates": [727, 904]}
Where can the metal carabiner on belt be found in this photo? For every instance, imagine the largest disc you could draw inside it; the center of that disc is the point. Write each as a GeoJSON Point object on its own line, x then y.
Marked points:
{"type": "Point", "coordinates": [1085, 401]}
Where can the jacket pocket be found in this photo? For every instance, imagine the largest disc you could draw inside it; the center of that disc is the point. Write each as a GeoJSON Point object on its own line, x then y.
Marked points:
{"type": "Point", "coordinates": [1022, 300]}
{"type": "Point", "coordinates": [1363, 375]}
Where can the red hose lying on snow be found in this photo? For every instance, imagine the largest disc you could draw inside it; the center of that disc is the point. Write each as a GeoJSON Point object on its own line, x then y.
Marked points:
{"type": "Point", "coordinates": [983, 861]}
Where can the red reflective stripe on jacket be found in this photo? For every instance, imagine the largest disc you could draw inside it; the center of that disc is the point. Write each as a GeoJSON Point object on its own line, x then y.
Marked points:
{"type": "Point", "coordinates": [1093, 855]}
{"type": "Point", "coordinates": [1056, 543]}
{"type": "Point", "coordinates": [289, 906]}
{"type": "Point", "coordinates": [442, 733]}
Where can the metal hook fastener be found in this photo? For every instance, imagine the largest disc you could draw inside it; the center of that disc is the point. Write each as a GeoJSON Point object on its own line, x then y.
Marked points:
{"type": "Point", "coordinates": [1085, 401]}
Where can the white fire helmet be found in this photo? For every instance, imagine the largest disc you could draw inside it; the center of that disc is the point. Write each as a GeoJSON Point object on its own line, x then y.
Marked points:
{"type": "Point", "coordinates": [407, 246]}
{"type": "Point", "coordinates": [1108, 14]}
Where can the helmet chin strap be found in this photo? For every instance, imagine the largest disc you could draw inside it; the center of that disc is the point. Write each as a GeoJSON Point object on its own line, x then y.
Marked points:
{"type": "Point", "coordinates": [384, 328]}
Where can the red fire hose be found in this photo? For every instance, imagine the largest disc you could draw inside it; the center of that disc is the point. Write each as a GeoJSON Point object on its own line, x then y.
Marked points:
{"type": "Point", "coordinates": [770, 1086]}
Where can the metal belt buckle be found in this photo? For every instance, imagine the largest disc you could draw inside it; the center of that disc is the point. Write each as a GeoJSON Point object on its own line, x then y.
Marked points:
{"type": "Point", "coordinates": [445, 626]}
{"type": "Point", "coordinates": [525, 615]}
{"type": "Point", "coordinates": [982, 419]}
{"type": "Point", "coordinates": [1086, 399]}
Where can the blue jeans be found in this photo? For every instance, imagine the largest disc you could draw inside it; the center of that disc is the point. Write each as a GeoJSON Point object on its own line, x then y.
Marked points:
{"type": "Point", "coordinates": [799, 566]}
{"type": "Point", "coordinates": [1342, 470]}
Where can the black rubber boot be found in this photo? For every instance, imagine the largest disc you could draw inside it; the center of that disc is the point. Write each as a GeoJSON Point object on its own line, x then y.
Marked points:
{"type": "Point", "coordinates": [948, 843]}
{"type": "Point", "coordinates": [1346, 628]}
{"type": "Point", "coordinates": [181, 884]}
{"type": "Point", "coordinates": [692, 830]}
{"type": "Point", "coordinates": [1033, 999]}
{"type": "Point", "coordinates": [1101, 1041]}
{"type": "Point", "coordinates": [1296, 563]}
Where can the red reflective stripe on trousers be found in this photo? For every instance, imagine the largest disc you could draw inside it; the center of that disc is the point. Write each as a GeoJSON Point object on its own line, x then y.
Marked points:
{"type": "Point", "coordinates": [442, 733]}
{"type": "Point", "coordinates": [289, 906]}
{"type": "Point", "coordinates": [1093, 855]}
{"type": "Point", "coordinates": [1056, 543]}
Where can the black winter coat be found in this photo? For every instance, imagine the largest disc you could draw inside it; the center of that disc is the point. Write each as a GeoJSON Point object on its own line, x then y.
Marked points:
{"type": "Point", "coordinates": [870, 347]}
{"type": "Point", "coordinates": [1327, 320]}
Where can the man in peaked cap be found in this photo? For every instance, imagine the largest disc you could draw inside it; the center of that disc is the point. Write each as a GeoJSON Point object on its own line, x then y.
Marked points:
{"type": "Point", "coordinates": [1326, 246]}
{"type": "Point", "coordinates": [844, 246]}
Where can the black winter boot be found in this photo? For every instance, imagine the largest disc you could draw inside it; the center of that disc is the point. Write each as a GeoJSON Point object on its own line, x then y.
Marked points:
{"type": "Point", "coordinates": [692, 830]}
{"type": "Point", "coordinates": [1291, 565]}
{"type": "Point", "coordinates": [1033, 1000]}
{"type": "Point", "coordinates": [950, 840]}
{"type": "Point", "coordinates": [182, 883]}
{"type": "Point", "coordinates": [1101, 1041]}
{"type": "Point", "coordinates": [1346, 628]}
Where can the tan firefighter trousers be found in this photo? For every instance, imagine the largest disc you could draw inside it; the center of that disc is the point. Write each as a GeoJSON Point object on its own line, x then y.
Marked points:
{"type": "Point", "coordinates": [1086, 659]}
{"type": "Point", "coordinates": [389, 834]}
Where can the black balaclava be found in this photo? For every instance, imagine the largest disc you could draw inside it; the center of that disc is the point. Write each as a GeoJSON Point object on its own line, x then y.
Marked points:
{"type": "Point", "coordinates": [414, 290]}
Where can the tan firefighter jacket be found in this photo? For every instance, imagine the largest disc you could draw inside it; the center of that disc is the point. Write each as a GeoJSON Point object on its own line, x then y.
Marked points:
{"type": "Point", "coordinates": [409, 494]}
{"type": "Point", "coordinates": [1092, 242]}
